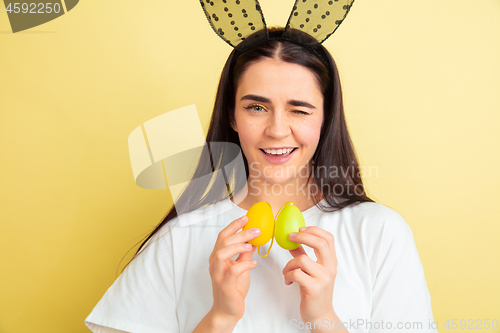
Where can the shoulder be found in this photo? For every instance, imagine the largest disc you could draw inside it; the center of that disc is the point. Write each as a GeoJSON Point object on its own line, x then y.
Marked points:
{"type": "Point", "coordinates": [179, 232]}
{"type": "Point", "coordinates": [204, 220]}
{"type": "Point", "coordinates": [383, 229]}
{"type": "Point", "coordinates": [373, 210]}
{"type": "Point", "coordinates": [215, 214]}
{"type": "Point", "coordinates": [208, 215]}
{"type": "Point", "coordinates": [376, 216]}
{"type": "Point", "coordinates": [185, 223]}
{"type": "Point", "coordinates": [370, 213]}
{"type": "Point", "coordinates": [379, 214]}
{"type": "Point", "coordinates": [370, 223]}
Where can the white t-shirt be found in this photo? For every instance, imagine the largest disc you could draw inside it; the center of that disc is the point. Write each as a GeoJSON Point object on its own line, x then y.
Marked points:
{"type": "Point", "coordinates": [380, 279]}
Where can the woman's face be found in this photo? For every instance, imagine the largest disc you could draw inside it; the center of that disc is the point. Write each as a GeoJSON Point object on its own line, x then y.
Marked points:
{"type": "Point", "coordinates": [278, 105]}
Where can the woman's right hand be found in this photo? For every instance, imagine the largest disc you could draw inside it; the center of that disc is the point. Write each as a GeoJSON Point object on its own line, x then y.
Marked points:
{"type": "Point", "coordinates": [231, 278]}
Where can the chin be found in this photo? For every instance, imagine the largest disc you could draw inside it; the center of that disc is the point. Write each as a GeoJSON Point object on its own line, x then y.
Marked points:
{"type": "Point", "coordinates": [277, 180]}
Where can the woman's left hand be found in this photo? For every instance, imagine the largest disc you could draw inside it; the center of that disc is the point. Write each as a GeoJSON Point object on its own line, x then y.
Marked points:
{"type": "Point", "coordinates": [316, 279]}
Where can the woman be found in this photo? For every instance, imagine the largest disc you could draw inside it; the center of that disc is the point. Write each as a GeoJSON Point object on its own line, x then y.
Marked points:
{"type": "Point", "coordinates": [358, 267]}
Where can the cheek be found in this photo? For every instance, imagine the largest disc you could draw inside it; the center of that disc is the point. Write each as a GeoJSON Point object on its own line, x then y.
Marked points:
{"type": "Point", "coordinates": [248, 128]}
{"type": "Point", "coordinates": [309, 135]}
{"type": "Point", "coordinates": [245, 140]}
{"type": "Point", "coordinates": [246, 134]}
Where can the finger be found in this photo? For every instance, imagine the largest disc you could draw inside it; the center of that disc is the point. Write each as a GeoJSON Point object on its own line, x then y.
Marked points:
{"type": "Point", "coordinates": [246, 255]}
{"type": "Point", "coordinates": [233, 227]}
{"type": "Point", "coordinates": [239, 238]}
{"type": "Point", "coordinates": [222, 256]}
{"type": "Point", "coordinates": [301, 277]}
{"type": "Point", "coordinates": [317, 231]}
{"type": "Point", "coordinates": [242, 236]}
{"type": "Point", "coordinates": [298, 251]}
{"type": "Point", "coordinates": [235, 271]}
{"type": "Point", "coordinates": [306, 264]}
{"type": "Point", "coordinates": [230, 251]}
{"type": "Point", "coordinates": [320, 242]}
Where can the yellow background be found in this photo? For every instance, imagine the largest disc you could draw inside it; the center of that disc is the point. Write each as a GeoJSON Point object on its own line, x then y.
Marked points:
{"type": "Point", "coordinates": [421, 82]}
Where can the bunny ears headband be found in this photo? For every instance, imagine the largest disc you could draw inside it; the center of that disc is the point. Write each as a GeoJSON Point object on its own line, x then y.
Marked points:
{"type": "Point", "coordinates": [236, 21]}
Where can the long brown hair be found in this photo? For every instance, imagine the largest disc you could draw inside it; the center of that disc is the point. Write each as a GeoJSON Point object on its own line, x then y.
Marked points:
{"type": "Point", "coordinates": [334, 150]}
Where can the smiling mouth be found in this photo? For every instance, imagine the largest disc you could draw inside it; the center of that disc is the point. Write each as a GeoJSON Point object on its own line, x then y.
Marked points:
{"type": "Point", "coordinates": [278, 152]}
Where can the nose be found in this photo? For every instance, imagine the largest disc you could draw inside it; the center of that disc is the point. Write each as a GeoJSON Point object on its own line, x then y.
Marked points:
{"type": "Point", "coordinates": [278, 126]}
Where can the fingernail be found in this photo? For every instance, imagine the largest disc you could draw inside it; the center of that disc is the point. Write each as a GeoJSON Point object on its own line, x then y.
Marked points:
{"type": "Point", "coordinates": [244, 218]}
{"type": "Point", "coordinates": [255, 231]}
{"type": "Point", "coordinates": [293, 234]}
{"type": "Point", "coordinates": [253, 262]}
{"type": "Point", "coordinates": [303, 228]}
{"type": "Point", "coordinates": [248, 246]}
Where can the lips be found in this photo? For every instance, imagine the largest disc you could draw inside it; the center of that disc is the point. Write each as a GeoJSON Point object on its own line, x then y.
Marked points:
{"type": "Point", "coordinates": [291, 150]}
{"type": "Point", "coordinates": [278, 159]}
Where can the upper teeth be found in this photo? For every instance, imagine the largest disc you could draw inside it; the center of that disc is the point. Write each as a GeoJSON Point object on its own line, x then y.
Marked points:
{"type": "Point", "coordinates": [278, 151]}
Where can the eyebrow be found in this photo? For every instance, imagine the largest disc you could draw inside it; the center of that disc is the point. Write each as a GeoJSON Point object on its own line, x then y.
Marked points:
{"type": "Point", "coordinates": [267, 100]}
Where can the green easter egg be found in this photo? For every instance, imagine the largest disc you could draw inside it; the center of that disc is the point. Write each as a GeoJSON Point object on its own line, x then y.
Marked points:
{"type": "Point", "coordinates": [289, 220]}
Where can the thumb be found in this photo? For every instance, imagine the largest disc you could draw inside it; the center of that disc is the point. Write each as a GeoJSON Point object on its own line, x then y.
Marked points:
{"type": "Point", "coordinates": [298, 251]}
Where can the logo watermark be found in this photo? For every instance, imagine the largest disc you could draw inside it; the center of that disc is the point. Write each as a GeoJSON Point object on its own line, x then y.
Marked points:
{"type": "Point", "coordinates": [363, 324]}
{"type": "Point", "coordinates": [28, 14]}
{"type": "Point", "coordinates": [322, 171]}
{"type": "Point", "coordinates": [322, 174]}
{"type": "Point", "coordinates": [158, 165]}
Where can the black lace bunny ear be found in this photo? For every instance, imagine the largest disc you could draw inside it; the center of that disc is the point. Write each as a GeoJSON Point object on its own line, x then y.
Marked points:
{"type": "Point", "coordinates": [234, 20]}
{"type": "Point", "coordinates": [318, 18]}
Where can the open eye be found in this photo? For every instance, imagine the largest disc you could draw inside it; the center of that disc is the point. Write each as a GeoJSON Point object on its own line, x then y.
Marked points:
{"type": "Point", "coordinates": [257, 108]}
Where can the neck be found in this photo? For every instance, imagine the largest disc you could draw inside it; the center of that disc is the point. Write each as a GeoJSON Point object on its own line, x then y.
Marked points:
{"type": "Point", "coordinates": [277, 195]}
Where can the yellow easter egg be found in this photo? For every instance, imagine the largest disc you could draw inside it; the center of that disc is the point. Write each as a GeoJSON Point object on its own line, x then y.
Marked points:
{"type": "Point", "coordinates": [261, 216]}
{"type": "Point", "coordinates": [289, 220]}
